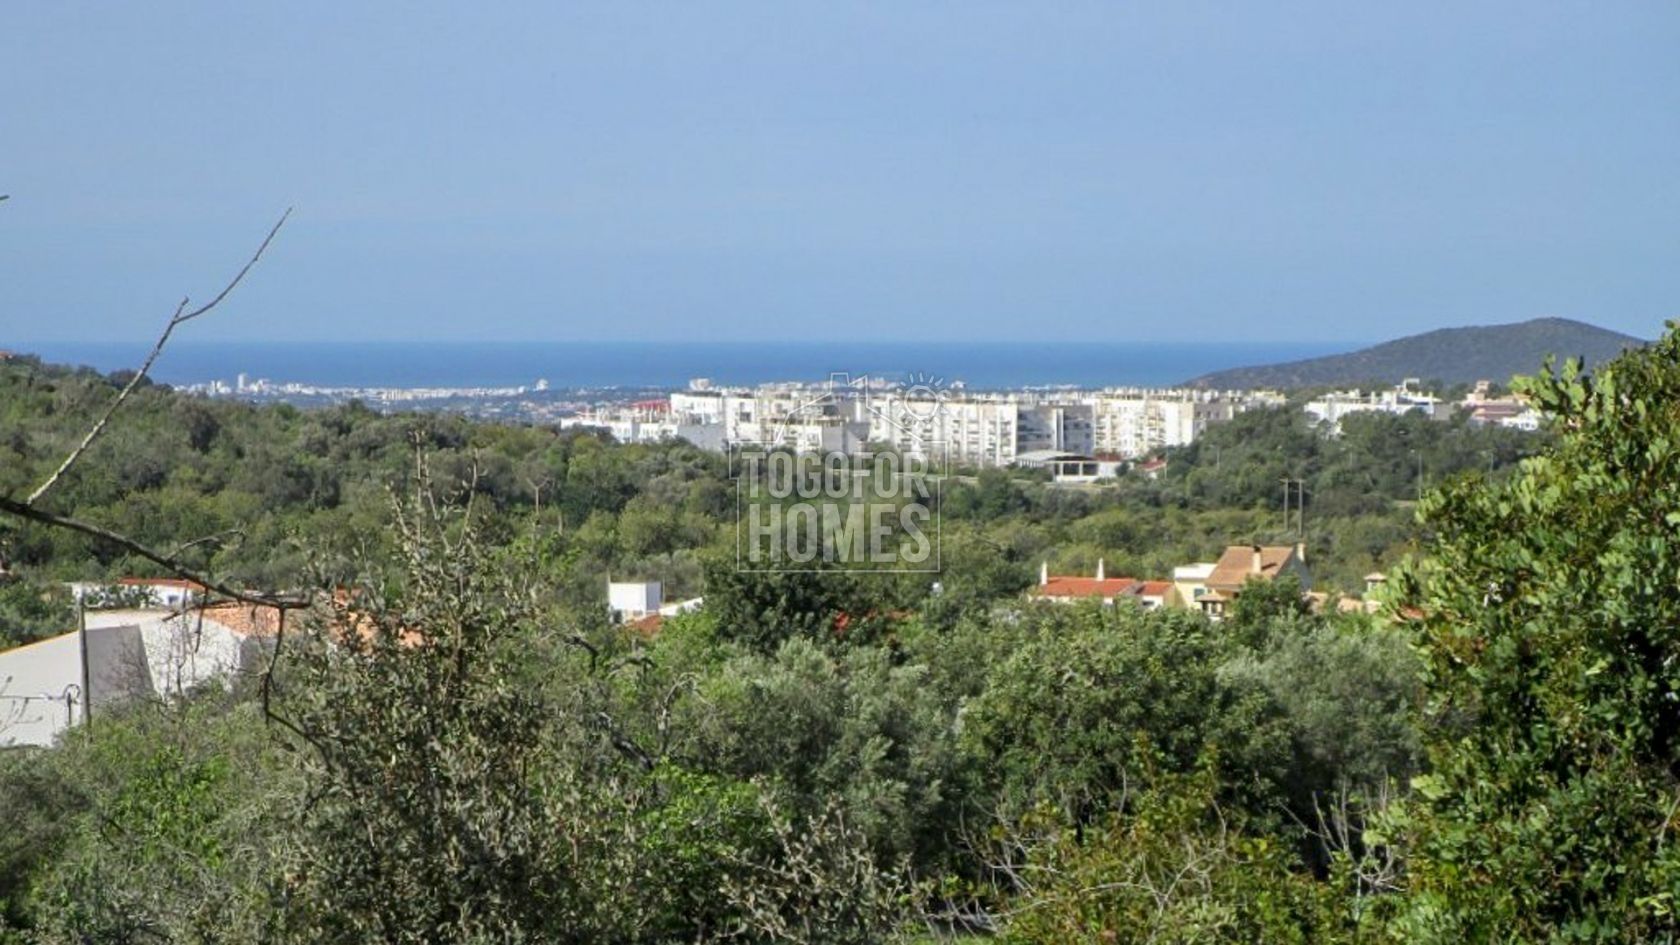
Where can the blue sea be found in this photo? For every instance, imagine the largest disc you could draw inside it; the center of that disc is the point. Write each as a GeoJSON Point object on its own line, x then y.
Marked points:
{"type": "Point", "coordinates": [662, 364]}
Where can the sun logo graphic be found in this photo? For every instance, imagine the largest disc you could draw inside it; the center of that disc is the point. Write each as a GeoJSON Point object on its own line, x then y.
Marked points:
{"type": "Point", "coordinates": [910, 416]}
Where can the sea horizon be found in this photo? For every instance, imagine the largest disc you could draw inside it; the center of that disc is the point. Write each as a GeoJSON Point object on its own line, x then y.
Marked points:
{"type": "Point", "coordinates": [598, 364]}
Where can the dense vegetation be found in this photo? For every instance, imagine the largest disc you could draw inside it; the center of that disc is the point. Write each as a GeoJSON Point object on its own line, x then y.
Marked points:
{"type": "Point", "coordinates": [279, 498]}
{"type": "Point", "coordinates": [1493, 759]}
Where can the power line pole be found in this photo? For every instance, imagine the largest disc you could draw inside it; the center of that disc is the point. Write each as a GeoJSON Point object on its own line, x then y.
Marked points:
{"type": "Point", "coordinates": [1300, 492]}
{"type": "Point", "coordinates": [1300, 508]}
{"type": "Point", "coordinates": [87, 677]}
{"type": "Point", "coordinates": [1286, 481]}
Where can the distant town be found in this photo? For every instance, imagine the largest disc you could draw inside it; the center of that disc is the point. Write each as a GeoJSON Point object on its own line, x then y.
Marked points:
{"type": "Point", "coordinates": [1077, 434]}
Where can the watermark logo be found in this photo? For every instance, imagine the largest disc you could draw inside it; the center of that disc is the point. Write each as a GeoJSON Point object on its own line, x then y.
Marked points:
{"type": "Point", "coordinates": [846, 477]}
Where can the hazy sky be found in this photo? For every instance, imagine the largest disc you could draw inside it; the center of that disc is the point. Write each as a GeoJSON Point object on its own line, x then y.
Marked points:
{"type": "Point", "coordinates": [720, 171]}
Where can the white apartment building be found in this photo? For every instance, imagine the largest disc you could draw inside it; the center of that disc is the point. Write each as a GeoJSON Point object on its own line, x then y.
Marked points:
{"type": "Point", "coordinates": [1134, 423]}
{"type": "Point", "coordinates": [972, 428]}
{"type": "Point", "coordinates": [639, 423]}
{"type": "Point", "coordinates": [983, 431]}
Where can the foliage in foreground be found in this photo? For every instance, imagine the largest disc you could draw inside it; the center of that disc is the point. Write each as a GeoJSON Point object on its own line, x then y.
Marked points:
{"type": "Point", "coordinates": [1550, 615]}
{"type": "Point", "coordinates": [476, 761]}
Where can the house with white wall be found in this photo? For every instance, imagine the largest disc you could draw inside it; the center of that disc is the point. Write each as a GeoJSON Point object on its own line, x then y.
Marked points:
{"type": "Point", "coordinates": [126, 655]}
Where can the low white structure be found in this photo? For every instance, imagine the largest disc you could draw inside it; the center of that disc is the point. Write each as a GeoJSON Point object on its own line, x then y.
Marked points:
{"type": "Point", "coordinates": [169, 593]}
{"type": "Point", "coordinates": [1329, 410]}
{"type": "Point", "coordinates": [630, 600]}
{"type": "Point", "coordinates": [192, 648]}
{"type": "Point", "coordinates": [644, 422]}
{"type": "Point", "coordinates": [1069, 467]}
{"type": "Point", "coordinates": [44, 686]}
{"type": "Point", "coordinates": [129, 654]}
{"type": "Point", "coordinates": [1512, 411]}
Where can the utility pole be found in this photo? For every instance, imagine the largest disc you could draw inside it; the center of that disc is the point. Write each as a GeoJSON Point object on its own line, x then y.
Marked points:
{"type": "Point", "coordinates": [87, 689]}
{"type": "Point", "coordinates": [1300, 503]}
{"type": "Point", "coordinates": [1286, 481]}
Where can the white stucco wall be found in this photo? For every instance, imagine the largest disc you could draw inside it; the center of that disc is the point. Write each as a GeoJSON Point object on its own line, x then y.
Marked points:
{"type": "Point", "coordinates": [182, 651]}
{"type": "Point", "coordinates": [131, 654]}
{"type": "Point", "coordinates": [35, 679]}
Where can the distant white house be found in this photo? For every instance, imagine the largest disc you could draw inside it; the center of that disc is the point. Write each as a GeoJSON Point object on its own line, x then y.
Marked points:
{"type": "Point", "coordinates": [640, 605]}
{"type": "Point", "coordinates": [129, 654]}
{"type": "Point", "coordinates": [630, 600]}
{"type": "Point", "coordinates": [188, 649]}
{"type": "Point", "coordinates": [1405, 397]}
{"type": "Point", "coordinates": [1513, 411]}
{"type": "Point", "coordinates": [138, 592]}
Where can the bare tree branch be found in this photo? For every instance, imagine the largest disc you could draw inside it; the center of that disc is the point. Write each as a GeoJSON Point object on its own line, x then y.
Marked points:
{"type": "Point", "coordinates": [175, 566]}
{"type": "Point", "coordinates": [181, 317]}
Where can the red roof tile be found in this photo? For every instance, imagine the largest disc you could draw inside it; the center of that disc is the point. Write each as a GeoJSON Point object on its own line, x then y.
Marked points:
{"type": "Point", "coordinates": [1086, 587]}
{"type": "Point", "coordinates": [246, 620]}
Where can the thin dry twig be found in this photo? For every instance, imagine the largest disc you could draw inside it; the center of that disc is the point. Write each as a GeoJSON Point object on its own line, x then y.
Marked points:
{"type": "Point", "coordinates": [181, 317]}
{"type": "Point", "coordinates": [175, 566]}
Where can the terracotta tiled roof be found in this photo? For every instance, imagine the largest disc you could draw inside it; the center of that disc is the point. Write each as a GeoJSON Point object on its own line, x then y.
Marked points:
{"type": "Point", "coordinates": [1236, 565]}
{"type": "Point", "coordinates": [1155, 588]}
{"type": "Point", "coordinates": [246, 620]}
{"type": "Point", "coordinates": [1086, 587]}
{"type": "Point", "coordinates": [647, 626]}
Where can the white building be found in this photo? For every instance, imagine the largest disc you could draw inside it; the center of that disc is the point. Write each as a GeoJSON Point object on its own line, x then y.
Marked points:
{"type": "Point", "coordinates": [1403, 398]}
{"type": "Point", "coordinates": [645, 422]}
{"type": "Point", "coordinates": [130, 654]}
{"type": "Point", "coordinates": [171, 593]}
{"type": "Point", "coordinates": [1513, 411]}
{"type": "Point", "coordinates": [630, 600]}
{"type": "Point", "coordinates": [44, 687]}
{"type": "Point", "coordinates": [188, 649]}
{"type": "Point", "coordinates": [982, 429]}
{"type": "Point", "coordinates": [1133, 423]}
{"type": "Point", "coordinates": [1069, 467]}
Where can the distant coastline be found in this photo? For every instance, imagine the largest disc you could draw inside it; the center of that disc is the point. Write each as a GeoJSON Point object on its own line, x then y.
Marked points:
{"type": "Point", "coordinates": [672, 365]}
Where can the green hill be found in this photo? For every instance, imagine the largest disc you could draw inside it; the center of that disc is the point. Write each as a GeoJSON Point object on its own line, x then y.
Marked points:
{"type": "Point", "coordinates": [1452, 355]}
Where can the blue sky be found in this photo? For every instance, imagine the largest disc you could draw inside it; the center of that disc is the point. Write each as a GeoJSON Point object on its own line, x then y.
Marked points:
{"type": "Point", "coordinates": [722, 171]}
